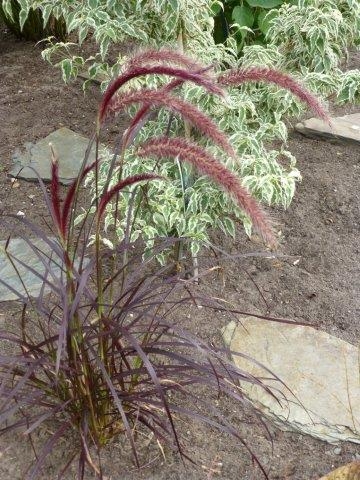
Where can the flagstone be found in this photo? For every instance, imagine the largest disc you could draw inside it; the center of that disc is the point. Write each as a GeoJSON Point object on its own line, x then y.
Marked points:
{"type": "Point", "coordinates": [320, 393]}
{"type": "Point", "coordinates": [346, 128]}
{"type": "Point", "coordinates": [19, 277]}
{"type": "Point", "coordinates": [69, 147]}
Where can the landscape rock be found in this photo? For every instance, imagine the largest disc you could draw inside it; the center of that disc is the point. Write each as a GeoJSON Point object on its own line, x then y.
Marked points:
{"type": "Point", "coordinates": [351, 471]}
{"type": "Point", "coordinates": [345, 129]}
{"type": "Point", "coordinates": [20, 249]}
{"type": "Point", "coordinates": [70, 148]}
{"type": "Point", "coordinates": [320, 393]}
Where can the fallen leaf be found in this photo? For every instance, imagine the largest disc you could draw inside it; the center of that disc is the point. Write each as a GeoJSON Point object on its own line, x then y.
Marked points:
{"type": "Point", "coordinates": [351, 471]}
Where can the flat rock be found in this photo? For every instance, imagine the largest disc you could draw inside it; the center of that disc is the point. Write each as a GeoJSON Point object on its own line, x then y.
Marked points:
{"type": "Point", "coordinates": [20, 249]}
{"type": "Point", "coordinates": [70, 148]}
{"type": "Point", "coordinates": [345, 129]}
{"type": "Point", "coordinates": [320, 393]}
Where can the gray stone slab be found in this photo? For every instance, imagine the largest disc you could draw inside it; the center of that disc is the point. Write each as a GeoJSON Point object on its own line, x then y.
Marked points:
{"type": "Point", "coordinates": [70, 148]}
{"type": "Point", "coordinates": [321, 395]}
{"type": "Point", "coordinates": [351, 471]}
{"type": "Point", "coordinates": [23, 252]}
{"type": "Point", "coordinates": [345, 129]}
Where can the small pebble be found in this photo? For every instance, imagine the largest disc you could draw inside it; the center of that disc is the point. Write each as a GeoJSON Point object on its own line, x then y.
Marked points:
{"type": "Point", "coordinates": [337, 450]}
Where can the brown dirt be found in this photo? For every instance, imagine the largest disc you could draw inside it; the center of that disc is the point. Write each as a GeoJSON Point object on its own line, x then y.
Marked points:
{"type": "Point", "coordinates": [321, 228]}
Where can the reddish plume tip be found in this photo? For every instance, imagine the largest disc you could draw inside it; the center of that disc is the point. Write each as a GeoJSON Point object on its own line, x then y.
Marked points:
{"type": "Point", "coordinates": [107, 196]}
{"type": "Point", "coordinates": [190, 112]}
{"type": "Point", "coordinates": [258, 74]}
{"type": "Point", "coordinates": [173, 57]}
{"type": "Point", "coordinates": [205, 163]}
{"type": "Point", "coordinates": [185, 75]}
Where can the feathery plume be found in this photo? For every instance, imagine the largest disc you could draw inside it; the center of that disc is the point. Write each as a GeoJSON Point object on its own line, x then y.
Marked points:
{"type": "Point", "coordinates": [257, 74]}
{"type": "Point", "coordinates": [185, 75]}
{"type": "Point", "coordinates": [54, 188]}
{"type": "Point", "coordinates": [70, 197]}
{"type": "Point", "coordinates": [152, 56]}
{"type": "Point", "coordinates": [189, 111]}
{"type": "Point", "coordinates": [107, 196]}
{"type": "Point", "coordinates": [143, 113]}
{"type": "Point", "coordinates": [205, 163]}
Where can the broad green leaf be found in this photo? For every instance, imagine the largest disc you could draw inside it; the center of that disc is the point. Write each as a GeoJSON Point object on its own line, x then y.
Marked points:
{"type": "Point", "coordinates": [243, 16]}
{"type": "Point", "coordinates": [174, 4]}
{"type": "Point", "coordinates": [265, 18]}
{"type": "Point", "coordinates": [216, 7]}
{"type": "Point", "coordinates": [265, 3]}
{"type": "Point", "coordinates": [102, 16]}
{"type": "Point", "coordinates": [194, 248]}
{"type": "Point", "coordinates": [93, 3]}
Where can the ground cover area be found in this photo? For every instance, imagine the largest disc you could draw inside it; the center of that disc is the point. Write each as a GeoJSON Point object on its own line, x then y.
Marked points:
{"type": "Point", "coordinates": [316, 282]}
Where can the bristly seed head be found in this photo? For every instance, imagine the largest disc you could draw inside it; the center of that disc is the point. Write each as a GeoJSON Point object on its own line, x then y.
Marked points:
{"type": "Point", "coordinates": [189, 111]}
{"type": "Point", "coordinates": [258, 74]}
{"type": "Point", "coordinates": [205, 163]}
{"type": "Point", "coordinates": [173, 57]}
{"type": "Point", "coordinates": [185, 75]}
{"type": "Point", "coordinates": [107, 196]}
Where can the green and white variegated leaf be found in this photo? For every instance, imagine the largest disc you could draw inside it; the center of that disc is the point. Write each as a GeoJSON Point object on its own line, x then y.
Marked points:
{"type": "Point", "coordinates": [307, 38]}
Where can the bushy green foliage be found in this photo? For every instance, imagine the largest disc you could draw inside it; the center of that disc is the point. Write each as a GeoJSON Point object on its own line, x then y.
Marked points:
{"type": "Point", "coordinates": [247, 21]}
{"type": "Point", "coordinates": [26, 21]}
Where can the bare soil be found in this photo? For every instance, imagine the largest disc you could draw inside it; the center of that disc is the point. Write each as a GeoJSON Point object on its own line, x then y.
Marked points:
{"type": "Point", "coordinates": [320, 229]}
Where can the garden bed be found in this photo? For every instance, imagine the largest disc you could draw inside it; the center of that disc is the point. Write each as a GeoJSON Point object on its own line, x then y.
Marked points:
{"type": "Point", "coordinates": [317, 282]}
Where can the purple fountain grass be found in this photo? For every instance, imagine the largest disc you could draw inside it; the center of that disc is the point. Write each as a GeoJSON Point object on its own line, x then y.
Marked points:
{"type": "Point", "coordinates": [259, 74]}
{"type": "Point", "coordinates": [70, 197]}
{"type": "Point", "coordinates": [204, 162]}
{"type": "Point", "coordinates": [152, 56]}
{"type": "Point", "coordinates": [54, 189]}
{"type": "Point", "coordinates": [104, 352]}
{"type": "Point", "coordinates": [107, 196]}
{"type": "Point", "coordinates": [188, 111]}
{"type": "Point", "coordinates": [185, 75]}
{"type": "Point", "coordinates": [143, 113]}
